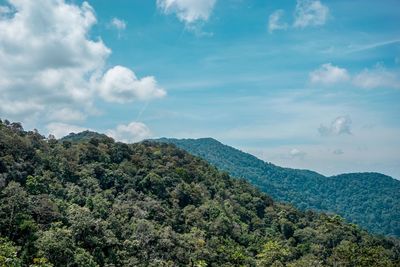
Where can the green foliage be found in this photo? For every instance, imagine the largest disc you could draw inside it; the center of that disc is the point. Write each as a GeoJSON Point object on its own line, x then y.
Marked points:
{"type": "Point", "coordinates": [8, 254]}
{"type": "Point", "coordinates": [88, 201]}
{"type": "Point", "coordinates": [370, 200]}
{"type": "Point", "coordinates": [272, 253]}
{"type": "Point", "coordinates": [84, 259]}
{"type": "Point", "coordinates": [56, 244]}
{"type": "Point", "coordinates": [41, 262]}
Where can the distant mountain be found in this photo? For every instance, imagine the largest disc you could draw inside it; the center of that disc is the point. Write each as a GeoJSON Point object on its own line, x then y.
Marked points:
{"type": "Point", "coordinates": [98, 203]}
{"type": "Point", "coordinates": [371, 200]}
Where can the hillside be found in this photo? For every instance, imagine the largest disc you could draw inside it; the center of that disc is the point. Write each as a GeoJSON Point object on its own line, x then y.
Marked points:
{"type": "Point", "coordinates": [102, 203]}
{"type": "Point", "coordinates": [371, 200]}
{"type": "Point", "coordinates": [84, 136]}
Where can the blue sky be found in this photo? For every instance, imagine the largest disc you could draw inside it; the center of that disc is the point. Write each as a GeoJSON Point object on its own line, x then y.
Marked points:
{"type": "Point", "coordinates": [306, 84]}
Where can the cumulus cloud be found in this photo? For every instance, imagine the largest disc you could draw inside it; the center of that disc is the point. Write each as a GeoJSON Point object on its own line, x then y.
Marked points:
{"type": "Point", "coordinates": [275, 21]}
{"type": "Point", "coordinates": [62, 129]}
{"type": "Point", "coordinates": [47, 60]}
{"type": "Point", "coordinates": [121, 85]}
{"type": "Point", "coordinates": [329, 74]}
{"type": "Point", "coordinates": [68, 115]}
{"type": "Point", "coordinates": [52, 65]}
{"type": "Point", "coordinates": [378, 77]}
{"type": "Point", "coordinates": [118, 24]}
{"type": "Point", "coordinates": [310, 13]}
{"type": "Point", "coordinates": [295, 153]}
{"type": "Point", "coordinates": [16, 108]}
{"type": "Point", "coordinates": [130, 133]}
{"type": "Point", "coordinates": [340, 125]}
{"type": "Point", "coordinates": [188, 11]}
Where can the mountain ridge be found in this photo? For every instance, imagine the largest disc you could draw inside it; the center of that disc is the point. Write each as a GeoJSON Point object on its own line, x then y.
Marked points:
{"type": "Point", "coordinates": [215, 141]}
{"type": "Point", "coordinates": [307, 189]}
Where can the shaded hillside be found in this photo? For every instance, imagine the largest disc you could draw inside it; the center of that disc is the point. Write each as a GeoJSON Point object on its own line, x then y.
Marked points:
{"type": "Point", "coordinates": [371, 200]}
{"type": "Point", "coordinates": [101, 203]}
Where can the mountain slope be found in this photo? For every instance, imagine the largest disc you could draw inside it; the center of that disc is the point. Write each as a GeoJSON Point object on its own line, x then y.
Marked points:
{"type": "Point", "coordinates": [371, 200]}
{"type": "Point", "coordinates": [84, 136]}
{"type": "Point", "coordinates": [100, 203]}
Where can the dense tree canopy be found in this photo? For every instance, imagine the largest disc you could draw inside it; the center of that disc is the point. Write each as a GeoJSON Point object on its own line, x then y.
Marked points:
{"type": "Point", "coordinates": [95, 202]}
{"type": "Point", "coordinates": [371, 200]}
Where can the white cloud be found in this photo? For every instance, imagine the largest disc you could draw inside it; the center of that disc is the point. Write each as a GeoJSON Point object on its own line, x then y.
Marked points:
{"type": "Point", "coordinates": [130, 133]}
{"type": "Point", "coordinates": [378, 77]}
{"type": "Point", "coordinates": [295, 153]}
{"type": "Point", "coordinates": [48, 62]}
{"type": "Point", "coordinates": [118, 24]}
{"type": "Point", "coordinates": [307, 13]}
{"type": "Point", "coordinates": [188, 11]}
{"type": "Point", "coordinates": [329, 74]}
{"type": "Point", "coordinates": [121, 85]}
{"type": "Point", "coordinates": [340, 125]}
{"type": "Point", "coordinates": [24, 108]}
{"type": "Point", "coordinates": [310, 13]}
{"type": "Point", "coordinates": [67, 114]}
{"type": "Point", "coordinates": [62, 129]}
{"type": "Point", "coordinates": [274, 21]}
{"type": "Point", "coordinates": [45, 63]}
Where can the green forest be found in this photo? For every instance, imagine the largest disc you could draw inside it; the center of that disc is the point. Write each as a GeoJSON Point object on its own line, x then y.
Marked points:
{"type": "Point", "coordinates": [371, 200]}
{"type": "Point", "coordinates": [87, 200]}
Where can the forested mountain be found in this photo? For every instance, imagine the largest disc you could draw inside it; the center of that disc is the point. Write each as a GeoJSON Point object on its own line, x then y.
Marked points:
{"type": "Point", "coordinates": [84, 136]}
{"type": "Point", "coordinates": [371, 200]}
{"type": "Point", "coordinates": [98, 202]}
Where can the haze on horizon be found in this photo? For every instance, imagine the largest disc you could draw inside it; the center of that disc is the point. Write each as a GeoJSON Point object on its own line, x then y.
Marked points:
{"type": "Point", "coordinates": [301, 83]}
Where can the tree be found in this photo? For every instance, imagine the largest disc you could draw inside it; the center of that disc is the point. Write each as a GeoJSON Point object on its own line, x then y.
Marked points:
{"type": "Point", "coordinates": [57, 245]}
{"type": "Point", "coordinates": [8, 254]}
{"type": "Point", "coordinates": [273, 252]}
{"type": "Point", "coordinates": [14, 209]}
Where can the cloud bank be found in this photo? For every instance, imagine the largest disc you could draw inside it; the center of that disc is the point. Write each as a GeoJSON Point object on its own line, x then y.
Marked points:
{"type": "Point", "coordinates": [377, 77]}
{"type": "Point", "coordinates": [53, 70]}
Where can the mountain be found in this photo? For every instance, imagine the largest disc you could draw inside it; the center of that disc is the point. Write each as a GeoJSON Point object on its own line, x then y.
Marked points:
{"type": "Point", "coordinates": [84, 136]}
{"type": "Point", "coordinates": [97, 202]}
{"type": "Point", "coordinates": [371, 200]}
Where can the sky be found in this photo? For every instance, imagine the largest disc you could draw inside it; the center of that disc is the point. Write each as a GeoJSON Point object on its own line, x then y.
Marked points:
{"type": "Point", "coordinates": [299, 83]}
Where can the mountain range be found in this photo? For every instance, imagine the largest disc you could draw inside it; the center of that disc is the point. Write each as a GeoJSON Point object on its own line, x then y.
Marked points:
{"type": "Point", "coordinates": [371, 200]}
{"type": "Point", "coordinates": [91, 201]}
